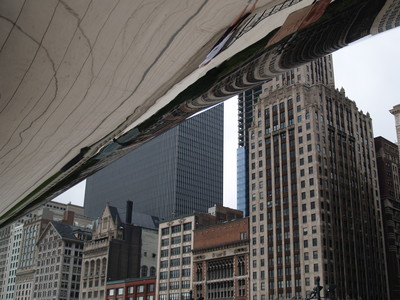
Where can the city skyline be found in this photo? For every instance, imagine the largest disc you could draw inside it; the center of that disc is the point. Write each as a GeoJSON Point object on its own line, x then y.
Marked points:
{"type": "Point", "coordinates": [362, 82]}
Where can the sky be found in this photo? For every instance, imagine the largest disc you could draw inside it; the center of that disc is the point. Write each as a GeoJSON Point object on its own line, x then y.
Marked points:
{"type": "Point", "coordinates": [368, 70]}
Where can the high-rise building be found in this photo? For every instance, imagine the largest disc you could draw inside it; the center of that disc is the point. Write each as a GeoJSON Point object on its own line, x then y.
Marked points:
{"type": "Point", "coordinates": [315, 214]}
{"type": "Point", "coordinates": [178, 172]}
{"type": "Point", "coordinates": [389, 186]}
{"type": "Point", "coordinates": [59, 262]}
{"type": "Point", "coordinates": [319, 71]}
{"type": "Point", "coordinates": [34, 224]}
{"type": "Point", "coordinates": [10, 259]}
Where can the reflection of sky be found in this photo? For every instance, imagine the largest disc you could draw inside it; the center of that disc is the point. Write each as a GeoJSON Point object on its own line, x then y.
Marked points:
{"type": "Point", "coordinates": [368, 70]}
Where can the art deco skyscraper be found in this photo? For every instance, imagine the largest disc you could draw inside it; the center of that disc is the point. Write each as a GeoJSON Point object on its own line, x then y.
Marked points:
{"type": "Point", "coordinates": [387, 154]}
{"type": "Point", "coordinates": [318, 71]}
{"type": "Point", "coordinates": [313, 189]}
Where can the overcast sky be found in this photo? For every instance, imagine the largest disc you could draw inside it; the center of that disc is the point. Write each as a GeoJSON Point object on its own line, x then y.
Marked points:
{"type": "Point", "coordinates": [368, 70]}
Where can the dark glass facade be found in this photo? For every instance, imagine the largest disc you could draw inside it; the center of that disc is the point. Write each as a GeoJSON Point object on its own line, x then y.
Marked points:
{"type": "Point", "coordinates": [242, 179]}
{"type": "Point", "coordinates": [179, 172]}
{"type": "Point", "coordinates": [246, 102]}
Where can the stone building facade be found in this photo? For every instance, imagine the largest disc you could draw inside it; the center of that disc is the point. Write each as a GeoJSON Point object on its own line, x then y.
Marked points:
{"type": "Point", "coordinates": [314, 196]}
{"type": "Point", "coordinates": [175, 257]}
{"type": "Point", "coordinates": [389, 186]}
{"type": "Point", "coordinates": [58, 262]}
{"type": "Point", "coordinates": [117, 251]}
{"type": "Point", "coordinates": [221, 261]}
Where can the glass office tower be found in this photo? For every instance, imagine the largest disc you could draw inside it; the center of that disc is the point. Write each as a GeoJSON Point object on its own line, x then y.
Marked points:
{"type": "Point", "coordinates": [176, 173]}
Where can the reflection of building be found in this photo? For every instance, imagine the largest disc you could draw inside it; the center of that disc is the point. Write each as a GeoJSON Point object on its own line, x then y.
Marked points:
{"type": "Point", "coordinates": [176, 173]}
{"type": "Point", "coordinates": [117, 251]}
{"type": "Point", "coordinates": [389, 185]}
{"type": "Point", "coordinates": [132, 289]}
{"type": "Point", "coordinates": [174, 278]}
{"type": "Point", "coordinates": [59, 261]}
{"type": "Point", "coordinates": [319, 71]}
{"type": "Point", "coordinates": [221, 261]}
{"type": "Point", "coordinates": [314, 199]}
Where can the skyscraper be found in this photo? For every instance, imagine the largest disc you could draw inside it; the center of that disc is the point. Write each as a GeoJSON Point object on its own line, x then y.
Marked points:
{"type": "Point", "coordinates": [315, 215]}
{"type": "Point", "coordinates": [319, 71]}
{"type": "Point", "coordinates": [387, 155]}
{"type": "Point", "coordinates": [179, 172]}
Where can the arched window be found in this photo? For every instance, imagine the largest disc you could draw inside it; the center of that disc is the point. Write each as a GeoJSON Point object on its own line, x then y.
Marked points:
{"type": "Point", "coordinates": [152, 271]}
{"type": "Point", "coordinates": [143, 272]}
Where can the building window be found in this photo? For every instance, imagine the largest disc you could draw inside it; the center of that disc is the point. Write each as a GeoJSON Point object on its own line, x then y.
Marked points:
{"type": "Point", "coordinates": [187, 237]}
{"type": "Point", "coordinates": [175, 240]}
{"type": "Point", "coordinates": [185, 272]}
{"type": "Point", "coordinates": [176, 228]}
{"type": "Point", "coordinates": [144, 271]}
{"type": "Point", "coordinates": [187, 226]}
{"type": "Point", "coordinates": [176, 251]}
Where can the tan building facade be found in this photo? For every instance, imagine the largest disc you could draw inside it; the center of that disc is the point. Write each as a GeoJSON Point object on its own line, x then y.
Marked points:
{"type": "Point", "coordinates": [314, 196]}
{"type": "Point", "coordinates": [175, 257]}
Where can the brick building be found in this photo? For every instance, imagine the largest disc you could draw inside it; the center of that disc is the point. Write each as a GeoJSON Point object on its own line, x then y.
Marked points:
{"type": "Point", "coordinates": [221, 261]}
{"type": "Point", "coordinates": [175, 276]}
{"type": "Point", "coordinates": [130, 289]}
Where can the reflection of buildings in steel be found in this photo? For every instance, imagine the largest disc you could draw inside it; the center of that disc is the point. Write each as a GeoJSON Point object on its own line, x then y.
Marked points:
{"type": "Point", "coordinates": [322, 37]}
{"type": "Point", "coordinates": [257, 17]}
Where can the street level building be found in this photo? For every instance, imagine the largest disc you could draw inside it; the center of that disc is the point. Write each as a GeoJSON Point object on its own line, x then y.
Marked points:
{"type": "Point", "coordinates": [314, 196]}
{"type": "Point", "coordinates": [9, 259]}
{"type": "Point", "coordinates": [175, 258]}
{"type": "Point", "coordinates": [389, 186]}
{"type": "Point", "coordinates": [59, 261]}
{"type": "Point", "coordinates": [221, 261]}
{"type": "Point", "coordinates": [34, 224]}
{"type": "Point", "coordinates": [132, 289]}
{"type": "Point", "coordinates": [176, 173]}
{"type": "Point", "coordinates": [117, 251]}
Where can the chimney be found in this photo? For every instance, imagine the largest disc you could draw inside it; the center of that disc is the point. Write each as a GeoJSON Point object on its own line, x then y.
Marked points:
{"type": "Point", "coordinates": [69, 217]}
{"type": "Point", "coordinates": [129, 206]}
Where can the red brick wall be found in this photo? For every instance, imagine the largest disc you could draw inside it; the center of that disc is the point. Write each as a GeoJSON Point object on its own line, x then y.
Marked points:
{"type": "Point", "coordinates": [220, 234]}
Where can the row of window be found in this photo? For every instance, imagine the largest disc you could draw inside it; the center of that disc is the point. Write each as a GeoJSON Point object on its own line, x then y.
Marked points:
{"type": "Point", "coordinates": [175, 262]}
{"type": "Point", "coordinates": [176, 240]}
{"type": "Point", "coordinates": [175, 274]}
{"type": "Point", "coordinates": [176, 251]}
{"type": "Point", "coordinates": [131, 289]}
{"type": "Point", "coordinates": [176, 228]}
